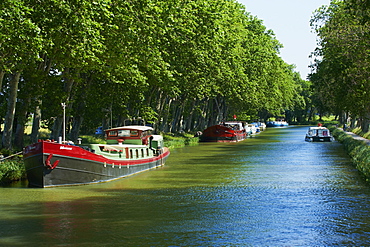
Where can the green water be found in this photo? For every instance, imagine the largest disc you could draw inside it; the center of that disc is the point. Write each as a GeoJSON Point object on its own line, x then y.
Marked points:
{"type": "Point", "coordinates": [270, 190]}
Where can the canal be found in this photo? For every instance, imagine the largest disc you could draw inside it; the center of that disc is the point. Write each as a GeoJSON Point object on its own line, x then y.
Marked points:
{"type": "Point", "coordinates": [274, 189]}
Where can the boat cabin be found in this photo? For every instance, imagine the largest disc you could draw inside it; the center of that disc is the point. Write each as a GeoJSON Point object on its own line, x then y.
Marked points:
{"type": "Point", "coordinates": [233, 125]}
{"type": "Point", "coordinates": [318, 131]}
{"type": "Point", "coordinates": [319, 134]}
{"type": "Point", "coordinates": [138, 135]}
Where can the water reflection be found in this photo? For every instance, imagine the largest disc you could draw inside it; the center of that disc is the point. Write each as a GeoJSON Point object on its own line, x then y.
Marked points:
{"type": "Point", "coordinates": [271, 190]}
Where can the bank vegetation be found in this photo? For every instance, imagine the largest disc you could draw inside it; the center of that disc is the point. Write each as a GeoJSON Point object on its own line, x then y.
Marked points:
{"type": "Point", "coordinates": [357, 149]}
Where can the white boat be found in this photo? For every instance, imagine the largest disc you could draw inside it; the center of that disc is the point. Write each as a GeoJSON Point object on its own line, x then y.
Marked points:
{"type": "Point", "coordinates": [277, 123]}
{"type": "Point", "coordinates": [259, 126]}
{"type": "Point", "coordinates": [251, 129]}
{"type": "Point", "coordinates": [318, 134]}
{"type": "Point", "coordinates": [262, 126]}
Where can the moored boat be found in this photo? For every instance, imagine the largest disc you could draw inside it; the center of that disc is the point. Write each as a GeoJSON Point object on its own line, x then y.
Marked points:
{"type": "Point", "coordinates": [318, 134]}
{"type": "Point", "coordinates": [277, 123]}
{"type": "Point", "coordinates": [251, 129]}
{"type": "Point", "coordinates": [260, 126]}
{"type": "Point", "coordinates": [128, 150]}
{"type": "Point", "coordinates": [230, 131]}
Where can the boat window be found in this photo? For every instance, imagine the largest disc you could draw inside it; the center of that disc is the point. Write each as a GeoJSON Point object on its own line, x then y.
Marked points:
{"type": "Point", "coordinates": [124, 133]}
{"type": "Point", "coordinates": [113, 133]}
{"type": "Point", "coordinates": [134, 133]}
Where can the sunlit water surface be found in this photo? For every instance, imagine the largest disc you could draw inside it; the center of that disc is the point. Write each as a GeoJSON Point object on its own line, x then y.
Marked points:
{"type": "Point", "coordinates": [274, 189]}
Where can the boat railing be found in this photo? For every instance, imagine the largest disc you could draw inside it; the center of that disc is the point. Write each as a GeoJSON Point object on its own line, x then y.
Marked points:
{"type": "Point", "coordinates": [126, 151]}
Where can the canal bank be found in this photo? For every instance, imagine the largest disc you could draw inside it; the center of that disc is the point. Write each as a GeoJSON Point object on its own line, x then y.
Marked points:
{"type": "Point", "coordinates": [357, 147]}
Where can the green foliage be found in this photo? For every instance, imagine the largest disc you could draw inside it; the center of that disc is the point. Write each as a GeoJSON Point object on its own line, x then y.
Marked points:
{"type": "Point", "coordinates": [367, 135]}
{"type": "Point", "coordinates": [20, 39]}
{"type": "Point", "coordinates": [361, 157]}
{"type": "Point", "coordinates": [89, 139]}
{"type": "Point", "coordinates": [342, 68]}
{"type": "Point", "coordinates": [357, 131]}
{"type": "Point", "coordinates": [12, 170]}
{"type": "Point", "coordinates": [180, 140]}
{"type": "Point", "coordinates": [358, 150]}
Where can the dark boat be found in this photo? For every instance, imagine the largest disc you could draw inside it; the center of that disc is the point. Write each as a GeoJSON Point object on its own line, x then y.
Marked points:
{"type": "Point", "coordinates": [128, 150]}
{"type": "Point", "coordinates": [231, 131]}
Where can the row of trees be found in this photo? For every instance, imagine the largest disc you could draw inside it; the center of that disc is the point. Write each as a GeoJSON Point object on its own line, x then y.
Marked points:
{"type": "Point", "coordinates": [341, 74]}
{"type": "Point", "coordinates": [182, 64]}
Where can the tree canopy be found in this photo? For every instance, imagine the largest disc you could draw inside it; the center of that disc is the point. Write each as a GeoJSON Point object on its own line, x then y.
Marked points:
{"type": "Point", "coordinates": [178, 64]}
{"type": "Point", "coordinates": [342, 69]}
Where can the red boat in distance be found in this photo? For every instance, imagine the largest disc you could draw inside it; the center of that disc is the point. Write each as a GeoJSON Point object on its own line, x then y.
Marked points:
{"type": "Point", "coordinates": [230, 131]}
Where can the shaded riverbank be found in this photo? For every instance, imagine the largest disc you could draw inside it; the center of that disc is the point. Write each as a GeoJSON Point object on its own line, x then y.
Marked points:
{"type": "Point", "coordinates": [357, 147]}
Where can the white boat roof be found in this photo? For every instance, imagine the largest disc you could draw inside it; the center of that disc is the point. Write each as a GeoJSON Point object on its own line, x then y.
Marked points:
{"type": "Point", "coordinates": [231, 122]}
{"type": "Point", "coordinates": [318, 128]}
{"type": "Point", "coordinates": [132, 127]}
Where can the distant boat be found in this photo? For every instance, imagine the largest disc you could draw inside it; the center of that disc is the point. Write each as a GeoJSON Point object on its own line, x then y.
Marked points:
{"type": "Point", "coordinates": [277, 123]}
{"type": "Point", "coordinates": [251, 129]}
{"type": "Point", "coordinates": [259, 126]}
{"type": "Point", "coordinates": [128, 150]}
{"type": "Point", "coordinates": [318, 134]}
{"type": "Point", "coordinates": [230, 131]}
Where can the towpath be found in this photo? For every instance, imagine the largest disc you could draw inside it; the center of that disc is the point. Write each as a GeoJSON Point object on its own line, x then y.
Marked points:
{"type": "Point", "coordinates": [357, 137]}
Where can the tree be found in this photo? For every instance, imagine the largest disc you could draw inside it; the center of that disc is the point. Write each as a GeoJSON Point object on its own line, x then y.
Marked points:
{"type": "Point", "coordinates": [343, 70]}
{"type": "Point", "coordinates": [178, 64]}
{"type": "Point", "coordinates": [20, 44]}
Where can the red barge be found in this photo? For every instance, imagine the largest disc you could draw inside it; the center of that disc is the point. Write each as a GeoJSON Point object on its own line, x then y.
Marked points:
{"type": "Point", "coordinates": [230, 131]}
{"type": "Point", "coordinates": [128, 150]}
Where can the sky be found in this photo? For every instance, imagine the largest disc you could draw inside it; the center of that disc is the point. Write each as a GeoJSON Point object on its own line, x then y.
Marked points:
{"type": "Point", "coordinates": [290, 22]}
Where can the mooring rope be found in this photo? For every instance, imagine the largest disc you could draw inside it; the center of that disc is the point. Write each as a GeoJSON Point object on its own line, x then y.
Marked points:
{"type": "Point", "coordinates": [2, 159]}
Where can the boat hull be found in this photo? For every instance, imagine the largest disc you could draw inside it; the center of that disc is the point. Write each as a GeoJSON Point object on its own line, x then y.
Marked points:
{"type": "Point", "coordinates": [77, 166]}
{"type": "Point", "coordinates": [277, 124]}
{"type": "Point", "coordinates": [319, 138]}
{"type": "Point", "coordinates": [221, 139]}
{"type": "Point", "coordinates": [220, 133]}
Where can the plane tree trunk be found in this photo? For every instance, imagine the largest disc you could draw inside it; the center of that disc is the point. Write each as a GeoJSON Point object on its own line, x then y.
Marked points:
{"type": "Point", "coordinates": [10, 113]}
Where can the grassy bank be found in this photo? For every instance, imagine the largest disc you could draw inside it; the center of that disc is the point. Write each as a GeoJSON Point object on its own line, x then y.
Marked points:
{"type": "Point", "coordinates": [358, 150]}
{"type": "Point", "coordinates": [180, 140]}
{"type": "Point", "coordinates": [315, 123]}
{"type": "Point", "coordinates": [11, 169]}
